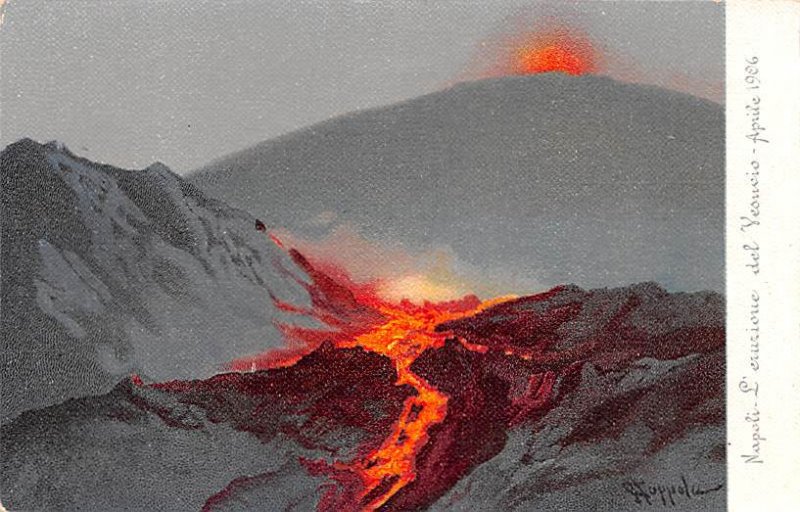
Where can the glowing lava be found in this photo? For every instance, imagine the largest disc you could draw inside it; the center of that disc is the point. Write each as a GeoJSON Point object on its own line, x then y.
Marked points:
{"type": "Point", "coordinates": [545, 46]}
{"type": "Point", "coordinates": [407, 333]}
{"type": "Point", "coordinates": [556, 51]}
{"type": "Point", "coordinates": [550, 58]}
{"type": "Point", "coordinates": [401, 332]}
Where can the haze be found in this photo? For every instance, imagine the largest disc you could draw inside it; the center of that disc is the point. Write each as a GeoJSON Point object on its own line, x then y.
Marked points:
{"type": "Point", "coordinates": [130, 83]}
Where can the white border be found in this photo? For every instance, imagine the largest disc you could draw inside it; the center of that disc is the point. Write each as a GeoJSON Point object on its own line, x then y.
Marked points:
{"type": "Point", "coordinates": [770, 31]}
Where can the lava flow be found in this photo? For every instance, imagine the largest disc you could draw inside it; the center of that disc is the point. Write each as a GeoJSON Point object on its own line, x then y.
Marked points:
{"type": "Point", "coordinates": [403, 337]}
{"type": "Point", "coordinates": [401, 332]}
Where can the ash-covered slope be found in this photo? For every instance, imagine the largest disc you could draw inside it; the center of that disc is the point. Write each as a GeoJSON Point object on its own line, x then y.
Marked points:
{"type": "Point", "coordinates": [108, 271]}
{"type": "Point", "coordinates": [555, 402]}
{"type": "Point", "coordinates": [573, 179]}
{"type": "Point", "coordinates": [187, 446]}
{"type": "Point", "coordinates": [616, 388]}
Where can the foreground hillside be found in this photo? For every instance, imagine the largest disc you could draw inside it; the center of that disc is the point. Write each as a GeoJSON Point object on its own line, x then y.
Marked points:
{"type": "Point", "coordinates": [567, 400]}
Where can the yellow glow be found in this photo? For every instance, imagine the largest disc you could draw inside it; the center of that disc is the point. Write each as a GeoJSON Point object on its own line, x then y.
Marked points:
{"type": "Point", "coordinates": [418, 289]}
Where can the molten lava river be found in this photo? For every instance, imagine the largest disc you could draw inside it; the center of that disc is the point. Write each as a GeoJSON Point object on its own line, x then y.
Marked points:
{"type": "Point", "coordinates": [407, 332]}
{"type": "Point", "coordinates": [401, 332]}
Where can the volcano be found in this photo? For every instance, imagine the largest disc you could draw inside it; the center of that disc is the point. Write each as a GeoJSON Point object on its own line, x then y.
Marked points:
{"type": "Point", "coordinates": [522, 177]}
{"type": "Point", "coordinates": [167, 349]}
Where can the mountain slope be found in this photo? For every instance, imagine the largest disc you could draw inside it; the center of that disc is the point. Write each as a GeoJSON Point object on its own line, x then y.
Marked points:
{"type": "Point", "coordinates": [185, 444]}
{"type": "Point", "coordinates": [571, 179]}
{"type": "Point", "coordinates": [107, 271]}
{"type": "Point", "coordinates": [618, 386]}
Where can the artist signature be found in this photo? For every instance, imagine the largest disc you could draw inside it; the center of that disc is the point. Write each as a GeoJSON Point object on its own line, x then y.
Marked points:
{"type": "Point", "coordinates": [666, 494]}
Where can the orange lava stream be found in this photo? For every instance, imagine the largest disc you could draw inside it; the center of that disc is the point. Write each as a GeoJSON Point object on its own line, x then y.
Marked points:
{"type": "Point", "coordinates": [408, 330]}
{"type": "Point", "coordinates": [407, 333]}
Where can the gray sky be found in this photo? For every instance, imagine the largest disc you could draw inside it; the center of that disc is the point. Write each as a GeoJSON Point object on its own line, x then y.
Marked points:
{"type": "Point", "coordinates": [184, 82]}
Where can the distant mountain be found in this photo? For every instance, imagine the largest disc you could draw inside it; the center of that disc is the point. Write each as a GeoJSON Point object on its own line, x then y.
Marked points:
{"type": "Point", "coordinates": [107, 271]}
{"type": "Point", "coordinates": [535, 180]}
{"type": "Point", "coordinates": [576, 398]}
